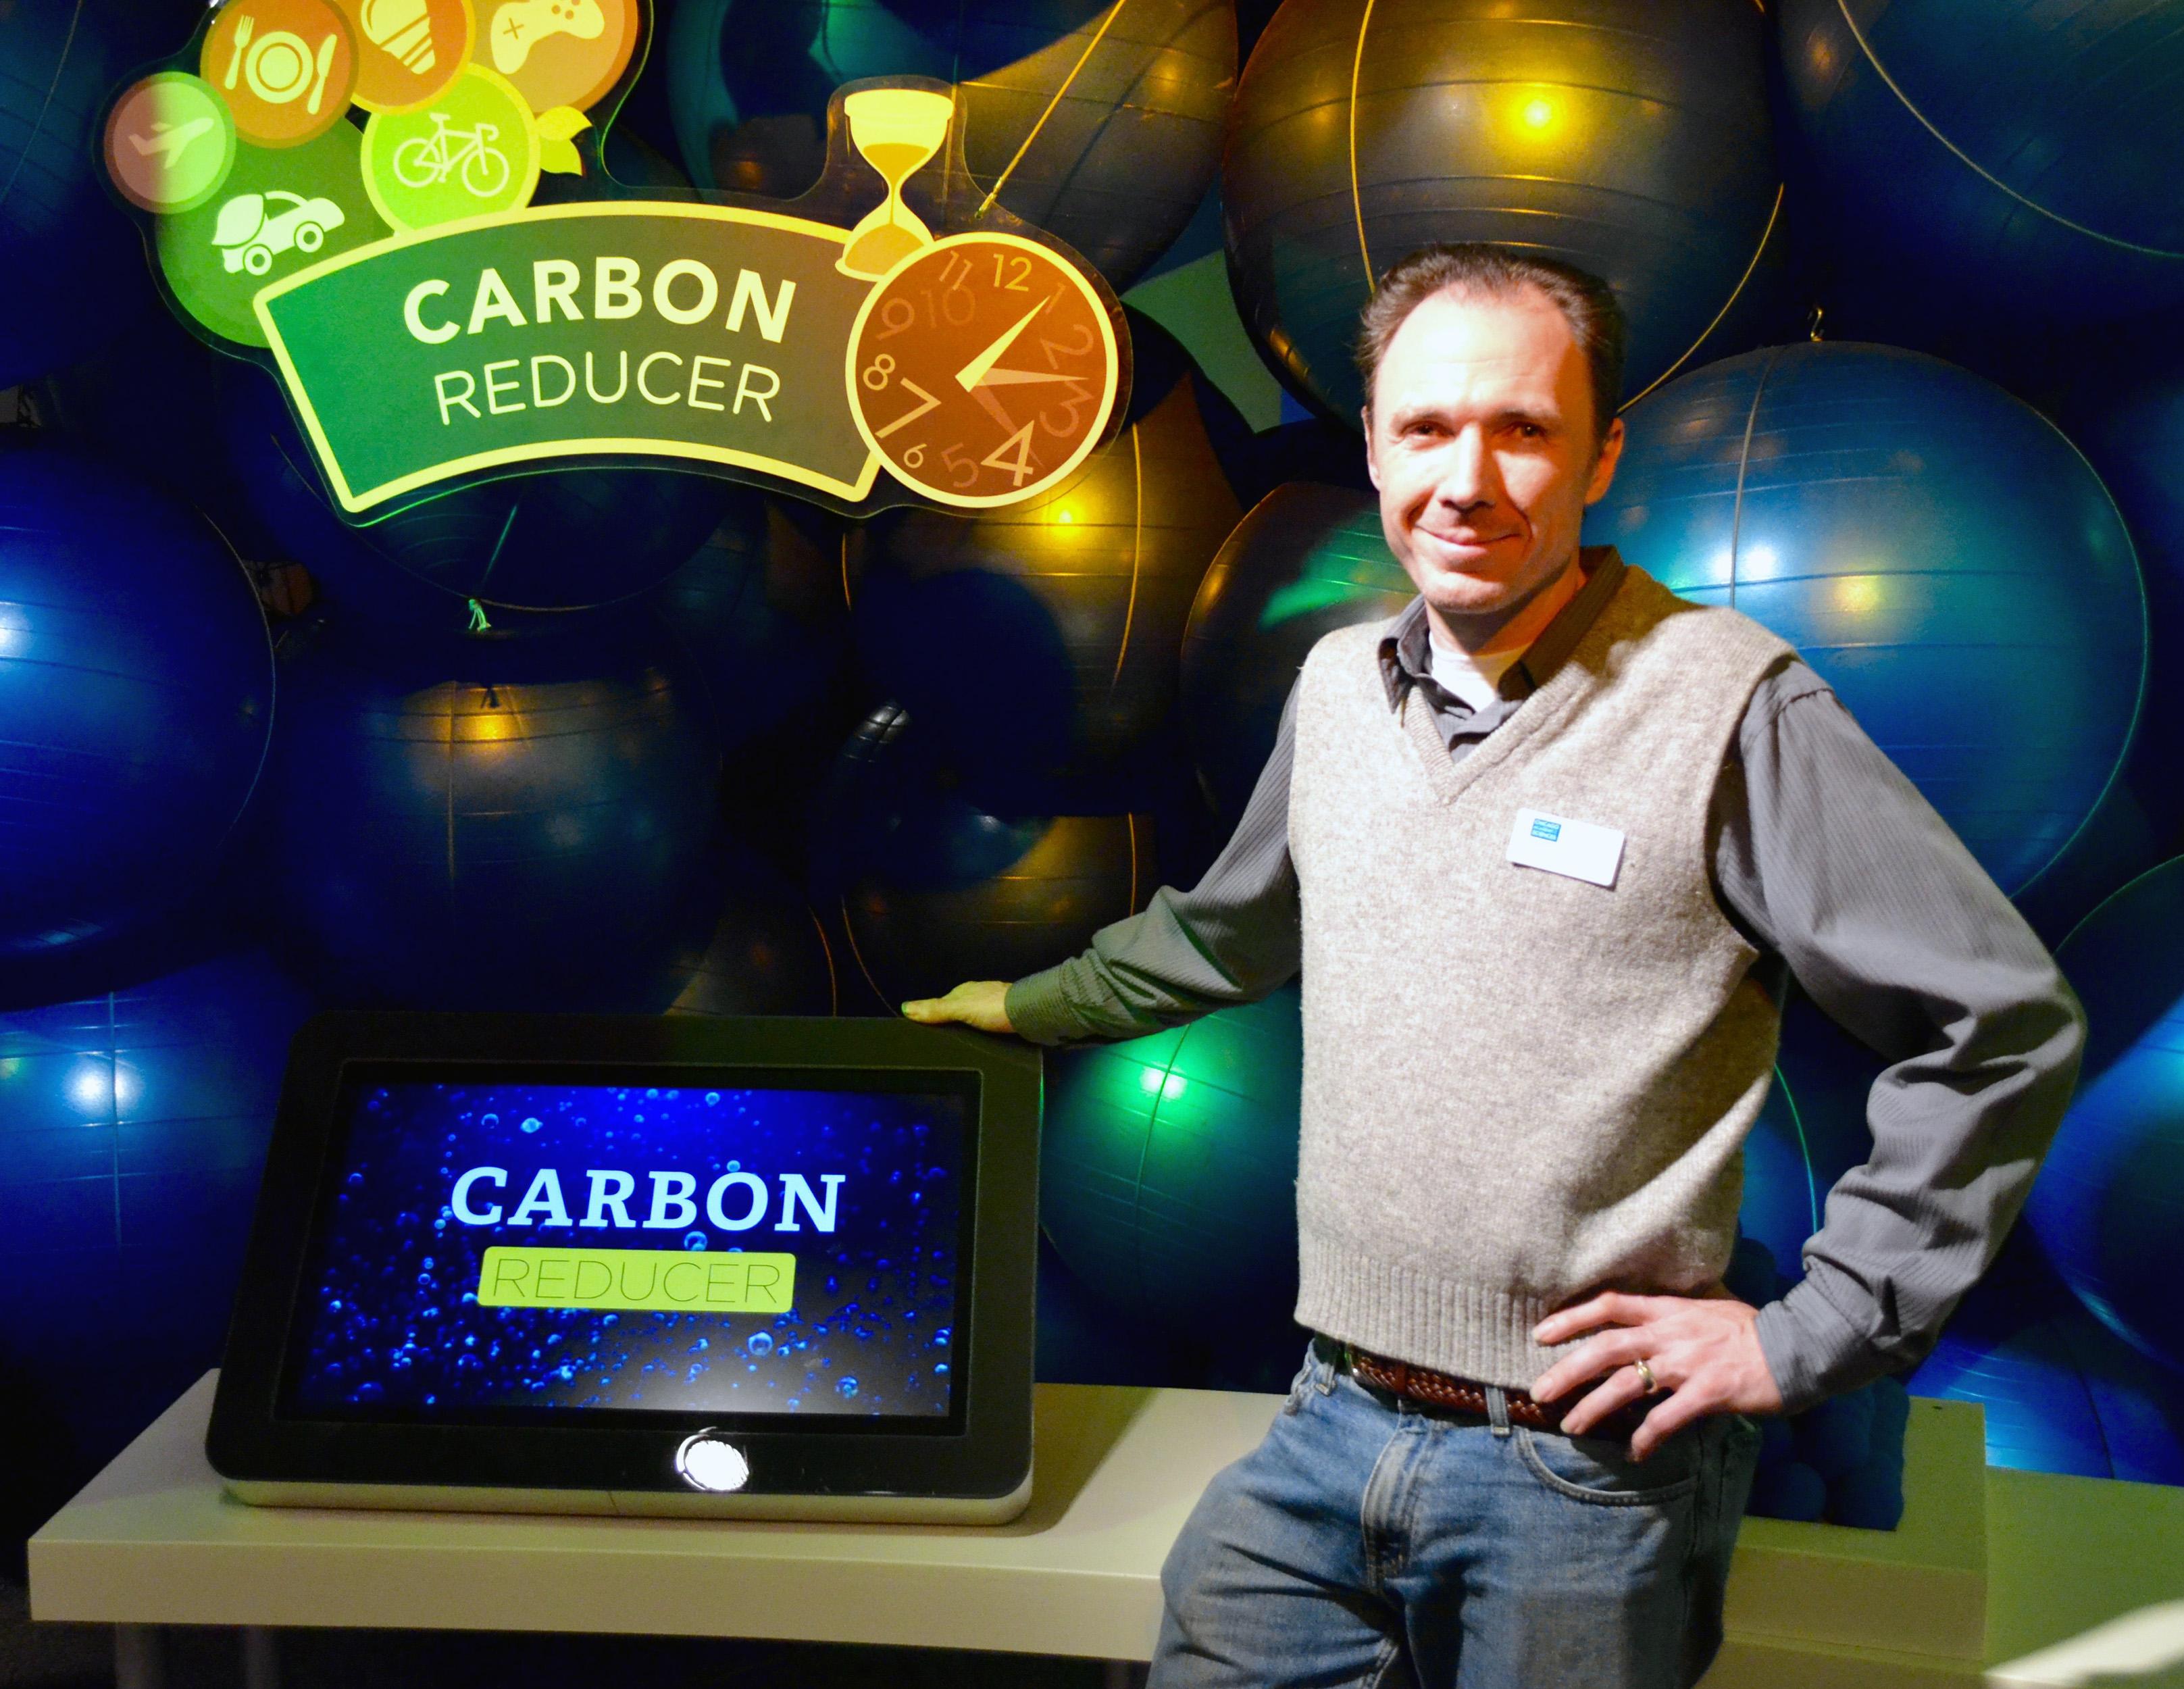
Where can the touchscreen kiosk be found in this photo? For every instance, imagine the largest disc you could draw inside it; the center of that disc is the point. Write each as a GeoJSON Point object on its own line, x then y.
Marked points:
{"type": "Point", "coordinates": [762, 1268]}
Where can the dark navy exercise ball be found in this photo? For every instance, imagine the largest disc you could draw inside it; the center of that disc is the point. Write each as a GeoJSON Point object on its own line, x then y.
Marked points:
{"type": "Point", "coordinates": [74, 266]}
{"type": "Point", "coordinates": [2109, 1200]}
{"type": "Point", "coordinates": [567, 538]}
{"type": "Point", "coordinates": [2011, 161]}
{"type": "Point", "coordinates": [493, 823]}
{"type": "Point", "coordinates": [133, 1127]}
{"type": "Point", "coordinates": [1307, 560]}
{"type": "Point", "coordinates": [136, 699]}
{"type": "Point", "coordinates": [760, 608]}
{"type": "Point", "coordinates": [931, 888]}
{"type": "Point", "coordinates": [1629, 139]}
{"type": "Point", "coordinates": [1042, 632]}
{"type": "Point", "coordinates": [1098, 122]}
{"type": "Point", "coordinates": [767, 954]}
{"type": "Point", "coordinates": [1167, 1166]}
{"type": "Point", "coordinates": [1937, 552]}
{"type": "Point", "coordinates": [1810, 1132]}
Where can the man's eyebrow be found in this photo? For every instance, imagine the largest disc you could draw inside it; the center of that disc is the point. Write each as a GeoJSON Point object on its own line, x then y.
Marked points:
{"type": "Point", "coordinates": [1405, 414]}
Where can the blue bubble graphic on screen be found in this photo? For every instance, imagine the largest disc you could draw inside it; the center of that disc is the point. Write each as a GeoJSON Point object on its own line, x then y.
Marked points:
{"type": "Point", "coordinates": [848, 1204]}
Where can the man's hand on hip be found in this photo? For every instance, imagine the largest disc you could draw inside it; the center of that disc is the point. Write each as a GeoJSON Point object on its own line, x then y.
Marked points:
{"type": "Point", "coordinates": [1702, 1353]}
{"type": "Point", "coordinates": [980, 1003]}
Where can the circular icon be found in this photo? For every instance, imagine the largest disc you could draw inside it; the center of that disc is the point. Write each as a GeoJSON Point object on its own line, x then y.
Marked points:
{"type": "Point", "coordinates": [984, 369]}
{"type": "Point", "coordinates": [408, 50]}
{"type": "Point", "coordinates": [170, 142]}
{"type": "Point", "coordinates": [560, 52]}
{"type": "Point", "coordinates": [706, 1462]}
{"type": "Point", "coordinates": [471, 151]}
{"type": "Point", "coordinates": [284, 67]}
{"type": "Point", "coordinates": [277, 213]}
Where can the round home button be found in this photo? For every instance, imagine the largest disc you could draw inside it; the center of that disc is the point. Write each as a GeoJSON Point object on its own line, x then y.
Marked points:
{"type": "Point", "coordinates": [706, 1462]}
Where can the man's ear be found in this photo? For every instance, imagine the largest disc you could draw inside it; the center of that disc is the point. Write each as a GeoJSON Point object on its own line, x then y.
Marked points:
{"type": "Point", "coordinates": [1603, 464]}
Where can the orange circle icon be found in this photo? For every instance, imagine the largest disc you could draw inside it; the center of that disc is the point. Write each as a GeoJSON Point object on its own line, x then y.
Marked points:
{"type": "Point", "coordinates": [409, 51]}
{"type": "Point", "coordinates": [559, 53]}
{"type": "Point", "coordinates": [286, 67]}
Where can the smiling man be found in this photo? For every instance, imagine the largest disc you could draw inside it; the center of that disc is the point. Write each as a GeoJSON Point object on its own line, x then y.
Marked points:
{"type": "Point", "coordinates": [1546, 847]}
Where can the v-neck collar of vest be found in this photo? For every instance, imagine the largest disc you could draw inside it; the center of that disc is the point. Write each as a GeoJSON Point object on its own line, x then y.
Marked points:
{"type": "Point", "coordinates": [1542, 712]}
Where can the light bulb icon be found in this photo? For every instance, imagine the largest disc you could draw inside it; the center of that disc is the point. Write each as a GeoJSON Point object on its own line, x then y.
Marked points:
{"type": "Point", "coordinates": [403, 28]}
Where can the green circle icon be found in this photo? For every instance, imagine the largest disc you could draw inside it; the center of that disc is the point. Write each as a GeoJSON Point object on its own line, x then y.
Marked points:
{"type": "Point", "coordinates": [472, 152]}
{"type": "Point", "coordinates": [279, 211]}
{"type": "Point", "coordinates": [170, 142]}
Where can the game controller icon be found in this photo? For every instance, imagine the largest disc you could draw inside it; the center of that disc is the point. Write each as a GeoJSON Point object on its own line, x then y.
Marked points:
{"type": "Point", "coordinates": [516, 29]}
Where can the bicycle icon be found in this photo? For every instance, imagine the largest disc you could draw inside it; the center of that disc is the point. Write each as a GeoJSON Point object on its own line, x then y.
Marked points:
{"type": "Point", "coordinates": [427, 161]}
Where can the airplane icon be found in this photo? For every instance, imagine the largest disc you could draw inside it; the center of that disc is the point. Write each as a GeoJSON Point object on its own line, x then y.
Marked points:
{"type": "Point", "coordinates": [170, 138]}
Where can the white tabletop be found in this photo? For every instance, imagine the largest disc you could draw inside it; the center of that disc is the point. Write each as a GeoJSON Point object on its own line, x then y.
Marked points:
{"type": "Point", "coordinates": [154, 1541]}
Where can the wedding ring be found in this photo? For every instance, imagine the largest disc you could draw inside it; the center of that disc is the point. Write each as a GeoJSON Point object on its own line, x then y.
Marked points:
{"type": "Point", "coordinates": [1645, 1377]}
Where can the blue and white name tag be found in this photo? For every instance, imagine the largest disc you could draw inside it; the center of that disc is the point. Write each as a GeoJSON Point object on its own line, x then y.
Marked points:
{"type": "Point", "coordinates": [1582, 850]}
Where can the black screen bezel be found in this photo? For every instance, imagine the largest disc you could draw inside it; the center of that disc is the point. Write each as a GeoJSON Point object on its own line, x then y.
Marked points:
{"type": "Point", "coordinates": [963, 1085]}
{"type": "Point", "coordinates": [983, 1448]}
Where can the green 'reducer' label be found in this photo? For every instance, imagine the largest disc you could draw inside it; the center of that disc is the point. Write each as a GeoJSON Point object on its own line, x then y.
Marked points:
{"type": "Point", "coordinates": [698, 331]}
{"type": "Point", "coordinates": [672, 1280]}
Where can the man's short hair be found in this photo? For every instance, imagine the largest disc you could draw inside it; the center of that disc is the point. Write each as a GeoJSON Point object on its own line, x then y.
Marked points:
{"type": "Point", "coordinates": [1595, 317]}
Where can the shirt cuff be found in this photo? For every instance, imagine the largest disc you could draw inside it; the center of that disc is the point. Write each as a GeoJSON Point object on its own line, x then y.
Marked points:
{"type": "Point", "coordinates": [1812, 1350]}
{"type": "Point", "coordinates": [1038, 1011]}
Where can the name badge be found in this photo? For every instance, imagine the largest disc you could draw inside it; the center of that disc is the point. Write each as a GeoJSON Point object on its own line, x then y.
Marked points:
{"type": "Point", "coordinates": [1581, 849]}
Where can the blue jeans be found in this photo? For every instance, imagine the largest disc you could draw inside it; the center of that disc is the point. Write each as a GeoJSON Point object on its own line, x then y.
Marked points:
{"type": "Point", "coordinates": [1363, 1544]}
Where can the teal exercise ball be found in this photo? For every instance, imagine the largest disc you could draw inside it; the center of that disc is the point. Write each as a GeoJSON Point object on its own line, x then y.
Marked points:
{"type": "Point", "coordinates": [1306, 560]}
{"type": "Point", "coordinates": [1628, 138]}
{"type": "Point", "coordinates": [1099, 123]}
{"type": "Point", "coordinates": [1934, 547]}
{"type": "Point", "coordinates": [1168, 1167]}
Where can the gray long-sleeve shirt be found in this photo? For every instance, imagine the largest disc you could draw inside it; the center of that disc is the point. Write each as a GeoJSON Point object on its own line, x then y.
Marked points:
{"type": "Point", "coordinates": [1839, 873]}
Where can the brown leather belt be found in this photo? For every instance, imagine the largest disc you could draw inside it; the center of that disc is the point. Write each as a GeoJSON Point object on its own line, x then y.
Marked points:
{"type": "Point", "coordinates": [1465, 1396]}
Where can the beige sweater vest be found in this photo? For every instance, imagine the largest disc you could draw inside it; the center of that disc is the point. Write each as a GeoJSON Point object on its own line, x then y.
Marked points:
{"type": "Point", "coordinates": [1521, 1087]}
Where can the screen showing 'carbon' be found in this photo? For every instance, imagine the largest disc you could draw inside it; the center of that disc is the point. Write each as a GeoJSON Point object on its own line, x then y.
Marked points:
{"type": "Point", "coordinates": [498, 1246]}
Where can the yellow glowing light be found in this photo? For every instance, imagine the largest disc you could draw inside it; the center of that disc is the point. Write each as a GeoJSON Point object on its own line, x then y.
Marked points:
{"type": "Point", "coordinates": [1065, 514]}
{"type": "Point", "coordinates": [1858, 595]}
{"type": "Point", "coordinates": [1539, 114]}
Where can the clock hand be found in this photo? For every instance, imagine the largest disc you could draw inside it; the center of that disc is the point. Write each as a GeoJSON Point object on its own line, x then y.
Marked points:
{"type": "Point", "coordinates": [991, 403]}
{"type": "Point", "coordinates": [974, 372]}
{"type": "Point", "coordinates": [1018, 378]}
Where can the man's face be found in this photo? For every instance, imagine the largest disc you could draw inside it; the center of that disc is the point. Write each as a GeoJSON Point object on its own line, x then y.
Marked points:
{"type": "Point", "coordinates": [1480, 438]}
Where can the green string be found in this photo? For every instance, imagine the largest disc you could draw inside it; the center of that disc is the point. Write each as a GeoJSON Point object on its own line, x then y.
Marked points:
{"type": "Point", "coordinates": [478, 623]}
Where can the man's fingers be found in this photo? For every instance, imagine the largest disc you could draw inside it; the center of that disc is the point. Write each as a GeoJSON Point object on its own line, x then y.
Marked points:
{"type": "Point", "coordinates": [1591, 1358]}
{"type": "Point", "coordinates": [1677, 1410]}
{"type": "Point", "coordinates": [1620, 1389]}
{"type": "Point", "coordinates": [1609, 1308]}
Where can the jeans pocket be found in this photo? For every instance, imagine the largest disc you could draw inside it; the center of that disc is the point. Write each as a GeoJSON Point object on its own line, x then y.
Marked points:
{"type": "Point", "coordinates": [1596, 1470]}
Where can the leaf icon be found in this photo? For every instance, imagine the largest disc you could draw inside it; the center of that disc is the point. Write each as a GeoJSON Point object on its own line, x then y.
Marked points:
{"type": "Point", "coordinates": [557, 148]}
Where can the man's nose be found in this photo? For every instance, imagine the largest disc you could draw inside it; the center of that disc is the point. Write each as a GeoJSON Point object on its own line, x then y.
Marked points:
{"type": "Point", "coordinates": [1466, 471]}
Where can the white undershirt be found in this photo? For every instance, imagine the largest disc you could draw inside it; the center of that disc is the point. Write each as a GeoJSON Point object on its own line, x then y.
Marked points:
{"type": "Point", "coordinates": [1476, 680]}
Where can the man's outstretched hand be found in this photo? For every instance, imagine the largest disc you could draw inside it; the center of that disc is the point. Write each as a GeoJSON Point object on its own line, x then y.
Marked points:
{"type": "Point", "coordinates": [980, 1003]}
{"type": "Point", "coordinates": [1703, 1350]}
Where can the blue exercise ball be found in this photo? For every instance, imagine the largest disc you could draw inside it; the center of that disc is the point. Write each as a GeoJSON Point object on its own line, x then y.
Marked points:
{"type": "Point", "coordinates": [1630, 139]}
{"type": "Point", "coordinates": [1167, 1166]}
{"type": "Point", "coordinates": [493, 823]}
{"type": "Point", "coordinates": [1071, 605]}
{"type": "Point", "coordinates": [1098, 122]}
{"type": "Point", "coordinates": [1306, 560]}
{"type": "Point", "coordinates": [2109, 1200]}
{"type": "Point", "coordinates": [136, 701]}
{"type": "Point", "coordinates": [133, 1128]}
{"type": "Point", "coordinates": [75, 266]}
{"type": "Point", "coordinates": [767, 953]}
{"type": "Point", "coordinates": [568, 538]}
{"type": "Point", "coordinates": [1936, 550]}
{"type": "Point", "coordinates": [1997, 162]}
{"type": "Point", "coordinates": [930, 889]}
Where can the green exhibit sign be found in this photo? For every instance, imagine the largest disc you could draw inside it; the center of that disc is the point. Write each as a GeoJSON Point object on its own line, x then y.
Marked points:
{"type": "Point", "coordinates": [346, 188]}
{"type": "Point", "coordinates": [696, 332]}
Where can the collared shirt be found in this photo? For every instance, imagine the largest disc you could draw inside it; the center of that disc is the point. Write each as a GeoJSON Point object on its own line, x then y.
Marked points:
{"type": "Point", "coordinates": [1842, 877]}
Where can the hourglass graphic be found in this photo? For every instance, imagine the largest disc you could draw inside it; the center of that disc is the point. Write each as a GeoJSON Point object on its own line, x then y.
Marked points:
{"type": "Point", "coordinates": [897, 130]}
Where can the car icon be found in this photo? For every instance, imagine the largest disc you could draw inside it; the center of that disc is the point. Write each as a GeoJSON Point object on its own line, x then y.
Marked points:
{"type": "Point", "coordinates": [252, 227]}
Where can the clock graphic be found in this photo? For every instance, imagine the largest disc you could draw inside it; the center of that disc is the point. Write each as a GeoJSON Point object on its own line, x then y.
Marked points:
{"type": "Point", "coordinates": [983, 369]}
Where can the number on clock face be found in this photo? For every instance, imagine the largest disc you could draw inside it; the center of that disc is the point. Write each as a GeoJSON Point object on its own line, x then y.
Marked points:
{"type": "Point", "coordinates": [983, 369]}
